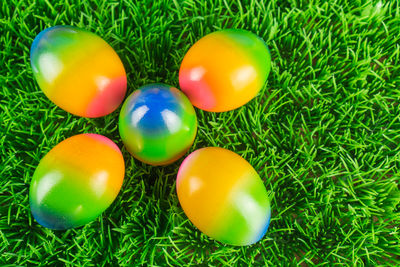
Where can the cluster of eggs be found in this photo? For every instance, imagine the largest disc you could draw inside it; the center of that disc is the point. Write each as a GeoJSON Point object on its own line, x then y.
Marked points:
{"type": "Point", "coordinates": [79, 178]}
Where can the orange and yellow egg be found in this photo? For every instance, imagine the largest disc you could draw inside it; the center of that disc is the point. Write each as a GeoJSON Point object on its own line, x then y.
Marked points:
{"type": "Point", "coordinates": [224, 70]}
{"type": "Point", "coordinates": [78, 71]}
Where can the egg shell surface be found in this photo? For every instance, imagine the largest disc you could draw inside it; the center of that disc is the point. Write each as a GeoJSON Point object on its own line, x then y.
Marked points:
{"type": "Point", "coordinates": [76, 181]}
{"type": "Point", "coordinates": [224, 70]}
{"type": "Point", "coordinates": [157, 124]}
{"type": "Point", "coordinates": [223, 196]}
{"type": "Point", "coordinates": [78, 71]}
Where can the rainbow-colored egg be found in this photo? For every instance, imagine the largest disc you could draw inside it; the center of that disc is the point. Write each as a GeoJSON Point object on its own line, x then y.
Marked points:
{"type": "Point", "coordinates": [78, 71]}
{"type": "Point", "coordinates": [223, 196]}
{"type": "Point", "coordinates": [157, 124]}
{"type": "Point", "coordinates": [76, 181]}
{"type": "Point", "coordinates": [224, 70]}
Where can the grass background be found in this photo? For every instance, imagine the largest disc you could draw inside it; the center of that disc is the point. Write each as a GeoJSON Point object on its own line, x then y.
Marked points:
{"type": "Point", "coordinates": [323, 133]}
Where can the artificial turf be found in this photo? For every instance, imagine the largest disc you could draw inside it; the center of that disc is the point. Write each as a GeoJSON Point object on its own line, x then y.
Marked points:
{"type": "Point", "coordinates": [323, 133]}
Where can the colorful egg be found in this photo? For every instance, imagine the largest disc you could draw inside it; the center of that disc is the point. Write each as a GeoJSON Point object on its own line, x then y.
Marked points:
{"type": "Point", "coordinates": [157, 124]}
{"type": "Point", "coordinates": [223, 196]}
{"type": "Point", "coordinates": [224, 70]}
{"type": "Point", "coordinates": [76, 181]}
{"type": "Point", "coordinates": [78, 71]}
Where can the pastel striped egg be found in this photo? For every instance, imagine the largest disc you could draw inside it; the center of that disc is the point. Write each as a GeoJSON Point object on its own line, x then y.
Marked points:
{"type": "Point", "coordinates": [76, 181]}
{"type": "Point", "coordinates": [78, 71]}
{"type": "Point", "coordinates": [224, 70]}
{"type": "Point", "coordinates": [223, 196]}
{"type": "Point", "coordinates": [157, 124]}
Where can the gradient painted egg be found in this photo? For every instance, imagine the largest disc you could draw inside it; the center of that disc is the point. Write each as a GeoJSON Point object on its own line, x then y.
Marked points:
{"type": "Point", "coordinates": [76, 181]}
{"type": "Point", "coordinates": [78, 71]}
{"type": "Point", "coordinates": [157, 124]}
{"type": "Point", "coordinates": [223, 196]}
{"type": "Point", "coordinates": [224, 70]}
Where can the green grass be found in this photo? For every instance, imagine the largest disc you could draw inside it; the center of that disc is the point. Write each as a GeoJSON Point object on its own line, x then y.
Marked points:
{"type": "Point", "coordinates": [323, 134]}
